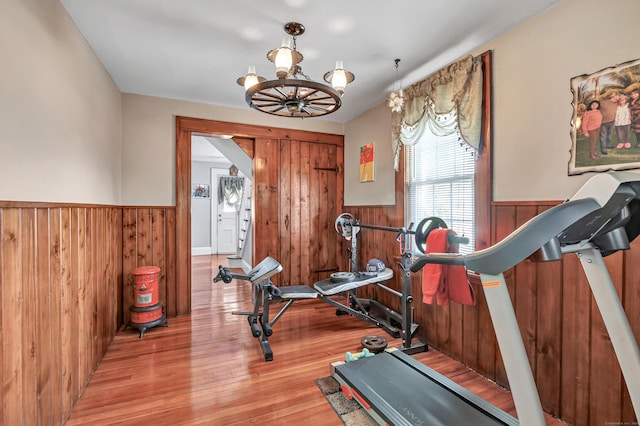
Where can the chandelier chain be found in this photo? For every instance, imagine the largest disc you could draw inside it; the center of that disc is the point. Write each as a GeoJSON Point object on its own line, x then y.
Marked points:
{"type": "Point", "coordinates": [396, 99]}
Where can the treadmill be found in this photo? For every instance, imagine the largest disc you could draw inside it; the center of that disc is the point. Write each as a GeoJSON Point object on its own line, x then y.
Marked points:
{"type": "Point", "coordinates": [600, 219]}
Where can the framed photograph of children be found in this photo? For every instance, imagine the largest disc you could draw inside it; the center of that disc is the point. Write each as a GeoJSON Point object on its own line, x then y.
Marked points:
{"type": "Point", "coordinates": [605, 127]}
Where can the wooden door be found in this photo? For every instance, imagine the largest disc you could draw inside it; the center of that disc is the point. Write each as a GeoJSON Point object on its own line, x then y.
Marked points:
{"type": "Point", "coordinates": [309, 205]}
{"type": "Point", "coordinates": [296, 206]}
{"type": "Point", "coordinates": [224, 234]}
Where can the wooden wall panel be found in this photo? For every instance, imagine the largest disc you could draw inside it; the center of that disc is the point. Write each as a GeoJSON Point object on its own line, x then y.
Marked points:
{"type": "Point", "coordinates": [323, 180]}
{"type": "Point", "coordinates": [503, 222]}
{"type": "Point", "coordinates": [68, 302]}
{"type": "Point", "coordinates": [171, 274]}
{"type": "Point", "coordinates": [29, 316]}
{"type": "Point", "coordinates": [3, 330]}
{"type": "Point", "coordinates": [78, 223]}
{"type": "Point", "coordinates": [605, 402]}
{"type": "Point", "coordinates": [287, 213]}
{"type": "Point", "coordinates": [487, 342]}
{"type": "Point", "coordinates": [45, 317]}
{"type": "Point", "coordinates": [305, 163]}
{"type": "Point", "coordinates": [12, 319]}
{"type": "Point", "coordinates": [313, 220]}
{"type": "Point", "coordinates": [56, 374]}
{"type": "Point", "coordinates": [525, 294]}
{"type": "Point", "coordinates": [159, 249]}
{"type": "Point", "coordinates": [129, 258]}
{"type": "Point", "coordinates": [58, 272]}
{"type": "Point", "coordinates": [631, 302]}
{"type": "Point", "coordinates": [149, 239]}
{"type": "Point", "coordinates": [183, 221]}
{"type": "Point", "coordinates": [267, 218]}
{"type": "Point", "coordinates": [548, 354]}
{"type": "Point", "coordinates": [576, 338]}
{"type": "Point", "coordinates": [470, 330]}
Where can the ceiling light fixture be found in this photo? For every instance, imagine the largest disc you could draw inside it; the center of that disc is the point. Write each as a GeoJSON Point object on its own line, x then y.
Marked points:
{"type": "Point", "coordinates": [289, 95]}
{"type": "Point", "coordinates": [396, 100]}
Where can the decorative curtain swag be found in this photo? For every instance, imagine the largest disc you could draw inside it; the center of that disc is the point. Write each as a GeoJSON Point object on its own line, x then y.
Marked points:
{"type": "Point", "coordinates": [447, 101]}
{"type": "Point", "coordinates": [230, 189]}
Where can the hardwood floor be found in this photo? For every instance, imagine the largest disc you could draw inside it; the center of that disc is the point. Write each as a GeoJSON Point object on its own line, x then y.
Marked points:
{"type": "Point", "coordinates": [207, 369]}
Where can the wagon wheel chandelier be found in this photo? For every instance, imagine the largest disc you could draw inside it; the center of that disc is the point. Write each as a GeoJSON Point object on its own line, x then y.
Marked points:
{"type": "Point", "coordinates": [289, 95]}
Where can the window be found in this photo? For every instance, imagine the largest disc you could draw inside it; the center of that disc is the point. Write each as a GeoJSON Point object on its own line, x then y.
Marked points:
{"type": "Point", "coordinates": [440, 181]}
{"type": "Point", "coordinates": [442, 177]}
{"type": "Point", "coordinates": [230, 190]}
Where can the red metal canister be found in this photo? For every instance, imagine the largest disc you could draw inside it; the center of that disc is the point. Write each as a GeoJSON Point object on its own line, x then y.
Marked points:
{"type": "Point", "coordinates": [145, 285]}
{"type": "Point", "coordinates": [146, 311]}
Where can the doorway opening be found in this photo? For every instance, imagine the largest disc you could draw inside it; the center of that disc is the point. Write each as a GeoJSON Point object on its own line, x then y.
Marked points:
{"type": "Point", "coordinates": [221, 176]}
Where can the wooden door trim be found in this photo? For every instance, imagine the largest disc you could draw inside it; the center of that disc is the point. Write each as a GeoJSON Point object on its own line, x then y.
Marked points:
{"type": "Point", "coordinates": [198, 125]}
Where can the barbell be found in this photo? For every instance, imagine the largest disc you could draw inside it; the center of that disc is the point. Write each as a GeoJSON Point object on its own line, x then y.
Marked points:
{"type": "Point", "coordinates": [346, 225]}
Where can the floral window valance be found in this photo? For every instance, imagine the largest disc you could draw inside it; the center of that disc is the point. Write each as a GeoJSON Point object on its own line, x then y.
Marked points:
{"type": "Point", "coordinates": [230, 189]}
{"type": "Point", "coordinates": [447, 101]}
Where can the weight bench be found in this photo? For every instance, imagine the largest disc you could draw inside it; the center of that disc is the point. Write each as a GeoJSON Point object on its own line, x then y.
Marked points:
{"type": "Point", "coordinates": [264, 292]}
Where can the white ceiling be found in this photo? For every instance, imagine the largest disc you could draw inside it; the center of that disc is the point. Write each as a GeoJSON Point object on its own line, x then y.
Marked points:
{"type": "Point", "coordinates": [194, 50]}
{"type": "Point", "coordinates": [202, 150]}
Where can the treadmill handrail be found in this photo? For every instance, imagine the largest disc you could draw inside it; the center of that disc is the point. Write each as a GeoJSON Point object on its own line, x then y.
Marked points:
{"type": "Point", "coordinates": [518, 245]}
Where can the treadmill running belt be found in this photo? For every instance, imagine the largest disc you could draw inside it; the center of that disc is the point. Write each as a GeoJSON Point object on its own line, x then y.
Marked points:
{"type": "Point", "coordinates": [403, 391]}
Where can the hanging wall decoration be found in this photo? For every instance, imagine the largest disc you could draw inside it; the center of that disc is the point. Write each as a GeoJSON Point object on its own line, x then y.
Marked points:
{"type": "Point", "coordinates": [200, 190]}
{"type": "Point", "coordinates": [366, 163]}
{"type": "Point", "coordinates": [605, 127]}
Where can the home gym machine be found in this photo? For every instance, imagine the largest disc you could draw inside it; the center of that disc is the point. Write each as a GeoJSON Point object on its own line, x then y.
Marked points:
{"type": "Point", "coordinates": [600, 219]}
{"type": "Point", "coordinates": [264, 291]}
{"type": "Point", "coordinates": [349, 227]}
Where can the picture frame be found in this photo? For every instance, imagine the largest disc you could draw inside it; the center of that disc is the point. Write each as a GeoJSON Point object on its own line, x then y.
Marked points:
{"type": "Point", "coordinates": [200, 190]}
{"type": "Point", "coordinates": [604, 149]}
{"type": "Point", "coordinates": [367, 164]}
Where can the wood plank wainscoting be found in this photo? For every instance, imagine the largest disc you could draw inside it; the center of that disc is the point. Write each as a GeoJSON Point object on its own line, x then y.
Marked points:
{"type": "Point", "coordinates": [61, 283]}
{"type": "Point", "coordinates": [64, 274]}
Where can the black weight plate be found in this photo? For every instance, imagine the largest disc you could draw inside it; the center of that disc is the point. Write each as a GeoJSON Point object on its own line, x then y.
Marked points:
{"type": "Point", "coordinates": [375, 344]}
{"type": "Point", "coordinates": [422, 232]}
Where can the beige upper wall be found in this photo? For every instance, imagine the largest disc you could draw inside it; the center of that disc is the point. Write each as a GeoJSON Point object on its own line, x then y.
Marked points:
{"type": "Point", "coordinates": [372, 127]}
{"type": "Point", "coordinates": [60, 112]}
{"type": "Point", "coordinates": [149, 141]}
{"type": "Point", "coordinates": [532, 68]}
{"type": "Point", "coordinates": [64, 123]}
{"type": "Point", "coordinates": [68, 135]}
{"type": "Point", "coordinates": [533, 65]}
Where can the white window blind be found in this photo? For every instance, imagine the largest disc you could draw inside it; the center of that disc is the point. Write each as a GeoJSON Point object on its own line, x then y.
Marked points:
{"type": "Point", "coordinates": [440, 182]}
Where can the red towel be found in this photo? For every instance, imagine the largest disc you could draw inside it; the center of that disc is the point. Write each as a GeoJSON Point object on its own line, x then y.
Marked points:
{"type": "Point", "coordinates": [445, 282]}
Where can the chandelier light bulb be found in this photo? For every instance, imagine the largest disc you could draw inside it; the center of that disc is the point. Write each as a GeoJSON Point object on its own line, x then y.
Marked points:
{"type": "Point", "coordinates": [339, 78]}
{"type": "Point", "coordinates": [251, 79]}
{"type": "Point", "coordinates": [284, 58]}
